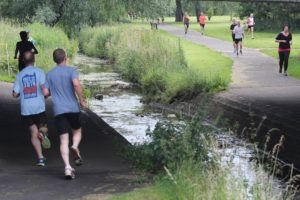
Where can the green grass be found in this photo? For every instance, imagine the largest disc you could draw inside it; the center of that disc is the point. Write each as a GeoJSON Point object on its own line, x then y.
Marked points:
{"type": "Point", "coordinates": [47, 39]}
{"type": "Point", "coordinates": [6, 78]}
{"type": "Point", "coordinates": [218, 27]}
{"type": "Point", "coordinates": [166, 67]}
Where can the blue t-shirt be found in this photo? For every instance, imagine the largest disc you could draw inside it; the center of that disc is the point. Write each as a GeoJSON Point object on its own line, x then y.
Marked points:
{"type": "Point", "coordinates": [28, 84]}
{"type": "Point", "coordinates": [60, 83]}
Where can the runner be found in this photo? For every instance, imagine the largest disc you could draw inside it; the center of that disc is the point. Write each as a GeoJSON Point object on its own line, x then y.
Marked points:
{"type": "Point", "coordinates": [202, 20]}
{"type": "Point", "coordinates": [23, 46]}
{"type": "Point", "coordinates": [29, 86]}
{"type": "Point", "coordinates": [63, 85]}
{"type": "Point", "coordinates": [285, 41]}
{"type": "Point", "coordinates": [251, 24]}
{"type": "Point", "coordinates": [232, 34]}
{"type": "Point", "coordinates": [239, 35]}
{"type": "Point", "coordinates": [186, 22]}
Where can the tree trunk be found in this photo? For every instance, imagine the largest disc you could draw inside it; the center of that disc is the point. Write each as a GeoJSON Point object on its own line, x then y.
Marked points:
{"type": "Point", "coordinates": [197, 10]}
{"type": "Point", "coordinates": [179, 14]}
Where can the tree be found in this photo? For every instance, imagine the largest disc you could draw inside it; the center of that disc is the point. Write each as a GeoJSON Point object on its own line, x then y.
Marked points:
{"type": "Point", "coordinates": [179, 12]}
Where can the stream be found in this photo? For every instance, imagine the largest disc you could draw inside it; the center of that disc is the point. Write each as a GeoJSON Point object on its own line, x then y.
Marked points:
{"type": "Point", "coordinates": [122, 109]}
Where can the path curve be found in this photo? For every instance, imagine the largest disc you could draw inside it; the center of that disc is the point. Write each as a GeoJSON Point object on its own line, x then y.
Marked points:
{"type": "Point", "coordinates": [257, 86]}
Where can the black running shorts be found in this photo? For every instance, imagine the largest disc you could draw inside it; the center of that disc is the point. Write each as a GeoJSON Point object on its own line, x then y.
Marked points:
{"type": "Point", "coordinates": [39, 119]}
{"type": "Point", "coordinates": [233, 37]}
{"type": "Point", "coordinates": [66, 121]}
{"type": "Point", "coordinates": [187, 24]}
{"type": "Point", "coordinates": [238, 40]}
{"type": "Point", "coordinates": [202, 25]}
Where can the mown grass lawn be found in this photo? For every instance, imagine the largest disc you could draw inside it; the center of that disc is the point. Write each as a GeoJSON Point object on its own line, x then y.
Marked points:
{"type": "Point", "coordinates": [218, 27]}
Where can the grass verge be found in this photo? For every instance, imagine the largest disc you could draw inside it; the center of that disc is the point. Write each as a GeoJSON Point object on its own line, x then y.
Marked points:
{"type": "Point", "coordinates": [218, 27]}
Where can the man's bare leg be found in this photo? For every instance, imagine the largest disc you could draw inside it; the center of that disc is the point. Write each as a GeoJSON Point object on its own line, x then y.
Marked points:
{"type": "Point", "coordinates": [36, 142]}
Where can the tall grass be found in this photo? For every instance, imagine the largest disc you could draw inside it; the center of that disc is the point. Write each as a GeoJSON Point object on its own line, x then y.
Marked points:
{"type": "Point", "coordinates": [177, 150]}
{"type": "Point", "coordinates": [162, 64]}
{"type": "Point", "coordinates": [46, 40]}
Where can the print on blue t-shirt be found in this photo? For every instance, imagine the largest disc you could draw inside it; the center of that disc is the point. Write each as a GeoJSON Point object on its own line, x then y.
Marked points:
{"type": "Point", "coordinates": [29, 86]}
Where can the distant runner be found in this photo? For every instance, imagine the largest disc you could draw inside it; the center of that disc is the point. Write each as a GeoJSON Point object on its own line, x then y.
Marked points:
{"type": "Point", "coordinates": [232, 26]}
{"type": "Point", "coordinates": [238, 35]}
{"type": "Point", "coordinates": [186, 22]}
{"type": "Point", "coordinates": [251, 24]}
{"type": "Point", "coordinates": [202, 21]}
{"type": "Point", "coordinates": [63, 85]}
{"type": "Point", "coordinates": [29, 86]}
{"type": "Point", "coordinates": [23, 46]}
{"type": "Point", "coordinates": [285, 41]}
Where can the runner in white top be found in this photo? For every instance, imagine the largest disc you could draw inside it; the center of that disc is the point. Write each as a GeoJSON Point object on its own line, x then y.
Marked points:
{"type": "Point", "coordinates": [239, 35]}
{"type": "Point", "coordinates": [251, 24]}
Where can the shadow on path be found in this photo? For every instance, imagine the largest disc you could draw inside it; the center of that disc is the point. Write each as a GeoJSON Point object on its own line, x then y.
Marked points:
{"type": "Point", "coordinates": [104, 171]}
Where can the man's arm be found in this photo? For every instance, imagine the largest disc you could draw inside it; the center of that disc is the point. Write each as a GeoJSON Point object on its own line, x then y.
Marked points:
{"type": "Point", "coordinates": [16, 95]}
{"type": "Point", "coordinates": [16, 51]}
{"type": "Point", "coordinates": [78, 90]}
{"type": "Point", "coordinates": [16, 88]}
{"type": "Point", "coordinates": [35, 51]}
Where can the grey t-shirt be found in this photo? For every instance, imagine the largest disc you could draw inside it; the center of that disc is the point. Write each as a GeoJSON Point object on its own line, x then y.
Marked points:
{"type": "Point", "coordinates": [238, 31]}
{"type": "Point", "coordinates": [60, 83]}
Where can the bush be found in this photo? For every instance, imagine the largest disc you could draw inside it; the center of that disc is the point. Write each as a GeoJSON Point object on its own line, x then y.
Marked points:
{"type": "Point", "coordinates": [171, 145]}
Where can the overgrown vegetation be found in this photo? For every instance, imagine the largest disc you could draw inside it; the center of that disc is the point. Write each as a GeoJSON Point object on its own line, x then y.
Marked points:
{"type": "Point", "coordinates": [167, 68]}
{"type": "Point", "coordinates": [189, 167]}
{"type": "Point", "coordinates": [46, 40]}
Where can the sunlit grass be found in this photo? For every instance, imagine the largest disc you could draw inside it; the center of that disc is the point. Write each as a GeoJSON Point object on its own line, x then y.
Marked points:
{"type": "Point", "coordinates": [165, 66]}
{"type": "Point", "coordinates": [218, 27]}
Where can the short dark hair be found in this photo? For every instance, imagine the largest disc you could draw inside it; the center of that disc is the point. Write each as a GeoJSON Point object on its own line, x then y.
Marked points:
{"type": "Point", "coordinates": [24, 35]}
{"type": "Point", "coordinates": [59, 55]}
{"type": "Point", "coordinates": [28, 58]}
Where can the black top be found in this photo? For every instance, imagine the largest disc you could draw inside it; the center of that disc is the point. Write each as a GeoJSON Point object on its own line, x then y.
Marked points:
{"type": "Point", "coordinates": [287, 38]}
{"type": "Point", "coordinates": [232, 26]}
{"type": "Point", "coordinates": [24, 46]}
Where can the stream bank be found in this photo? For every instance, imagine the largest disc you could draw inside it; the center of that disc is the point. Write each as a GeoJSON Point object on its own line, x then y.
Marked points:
{"type": "Point", "coordinates": [121, 107]}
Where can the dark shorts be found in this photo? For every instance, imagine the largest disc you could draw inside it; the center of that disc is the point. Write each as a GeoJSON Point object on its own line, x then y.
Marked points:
{"type": "Point", "coordinates": [250, 26]}
{"type": "Point", "coordinates": [67, 121]}
{"type": "Point", "coordinates": [21, 65]}
{"type": "Point", "coordinates": [233, 37]}
{"type": "Point", "coordinates": [187, 24]}
{"type": "Point", "coordinates": [202, 25]}
{"type": "Point", "coordinates": [238, 40]}
{"type": "Point", "coordinates": [39, 120]}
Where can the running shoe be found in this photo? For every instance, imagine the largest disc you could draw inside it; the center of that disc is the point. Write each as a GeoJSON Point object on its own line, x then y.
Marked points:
{"type": "Point", "coordinates": [69, 173]}
{"type": "Point", "coordinates": [241, 52]}
{"type": "Point", "coordinates": [46, 144]}
{"type": "Point", "coordinates": [285, 74]}
{"type": "Point", "coordinates": [280, 71]}
{"type": "Point", "coordinates": [41, 162]}
{"type": "Point", "coordinates": [77, 158]}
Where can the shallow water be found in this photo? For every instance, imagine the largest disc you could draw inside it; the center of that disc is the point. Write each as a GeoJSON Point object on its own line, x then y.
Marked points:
{"type": "Point", "coordinates": [123, 110]}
